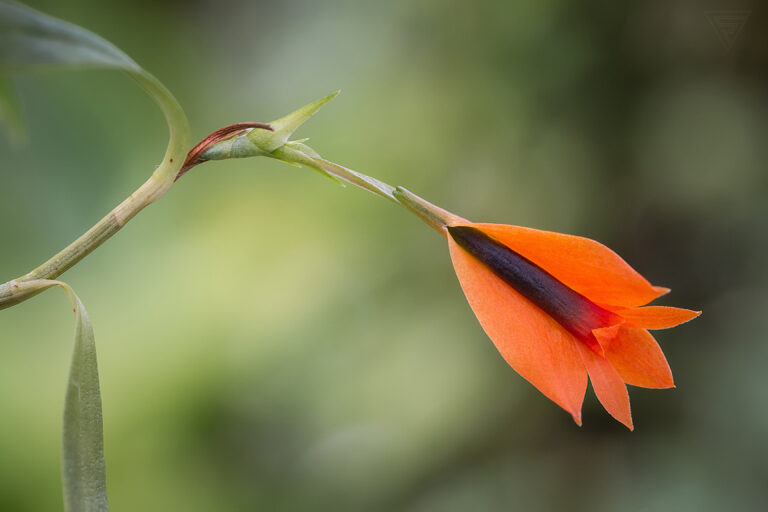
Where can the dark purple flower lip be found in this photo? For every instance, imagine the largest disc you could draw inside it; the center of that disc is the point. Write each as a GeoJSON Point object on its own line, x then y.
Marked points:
{"type": "Point", "coordinates": [576, 313]}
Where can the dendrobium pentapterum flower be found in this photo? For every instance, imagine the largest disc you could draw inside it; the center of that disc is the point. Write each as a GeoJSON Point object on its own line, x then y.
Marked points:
{"type": "Point", "coordinates": [559, 308]}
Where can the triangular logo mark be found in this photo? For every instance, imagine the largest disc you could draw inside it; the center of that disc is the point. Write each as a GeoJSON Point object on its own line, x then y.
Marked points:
{"type": "Point", "coordinates": [728, 25]}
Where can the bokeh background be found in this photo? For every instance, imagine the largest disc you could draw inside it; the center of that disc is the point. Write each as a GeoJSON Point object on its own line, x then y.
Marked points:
{"type": "Point", "coordinates": [271, 341]}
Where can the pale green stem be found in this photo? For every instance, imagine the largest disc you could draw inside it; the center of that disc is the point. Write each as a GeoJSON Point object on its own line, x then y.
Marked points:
{"type": "Point", "coordinates": [148, 193]}
{"type": "Point", "coordinates": [154, 188]}
{"type": "Point", "coordinates": [433, 215]}
{"type": "Point", "coordinates": [297, 156]}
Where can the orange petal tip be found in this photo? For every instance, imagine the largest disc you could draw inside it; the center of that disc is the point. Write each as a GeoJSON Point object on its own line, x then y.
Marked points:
{"type": "Point", "coordinates": [656, 317]}
{"type": "Point", "coordinates": [638, 359]}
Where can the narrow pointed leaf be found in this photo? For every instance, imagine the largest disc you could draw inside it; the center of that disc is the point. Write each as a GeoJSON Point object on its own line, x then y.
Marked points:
{"type": "Point", "coordinates": [84, 471]}
{"type": "Point", "coordinates": [30, 39]}
{"type": "Point", "coordinates": [83, 467]}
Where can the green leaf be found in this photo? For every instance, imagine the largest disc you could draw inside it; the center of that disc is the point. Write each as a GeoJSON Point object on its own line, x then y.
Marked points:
{"type": "Point", "coordinates": [83, 467]}
{"type": "Point", "coordinates": [30, 39]}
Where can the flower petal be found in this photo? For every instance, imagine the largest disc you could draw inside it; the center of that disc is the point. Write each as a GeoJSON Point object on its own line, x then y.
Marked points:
{"type": "Point", "coordinates": [531, 341]}
{"type": "Point", "coordinates": [608, 385]}
{"type": "Point", "coordinates": [656, 317]}
{"type": "Point", "coordinates": [637, 357]}
{"type": "Point", "coordinates": [584, 265]}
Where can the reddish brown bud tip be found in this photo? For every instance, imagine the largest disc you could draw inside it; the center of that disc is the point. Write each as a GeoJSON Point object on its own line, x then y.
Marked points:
{"type": "Point", "coordinates": [227, 132]}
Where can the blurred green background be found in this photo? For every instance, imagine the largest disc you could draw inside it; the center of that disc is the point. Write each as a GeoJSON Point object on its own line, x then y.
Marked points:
{"type": "Point", "coordinates": [270, 341]}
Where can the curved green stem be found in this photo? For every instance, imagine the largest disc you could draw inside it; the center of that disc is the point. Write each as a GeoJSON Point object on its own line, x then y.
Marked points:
{"type": "Point", "coordinates": [178, 126]}
{"type": "Point", "coordinates": [154, 188]}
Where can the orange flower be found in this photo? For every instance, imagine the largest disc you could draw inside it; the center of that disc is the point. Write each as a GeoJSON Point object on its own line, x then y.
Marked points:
{"type": "Point", "coordinates": [559, 308]}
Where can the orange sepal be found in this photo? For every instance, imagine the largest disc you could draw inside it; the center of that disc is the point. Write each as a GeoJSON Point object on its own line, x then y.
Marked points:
{"type": "Point", "coordinates": [582, 264]}
{"type": "Point", "coordinates": [608, 385]}
{"type": "Point", "coordinates": [656, 317]}
{"type": "Point", "coordinates": [637, 357]}
{"type": "Point", "coordinates": [532, 342]}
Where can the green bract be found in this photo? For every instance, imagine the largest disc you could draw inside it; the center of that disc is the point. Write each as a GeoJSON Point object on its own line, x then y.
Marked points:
{"type": "Point", "coordinates": [284, 127]}
{"type": "Point", "coordinates": [275, 144]}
